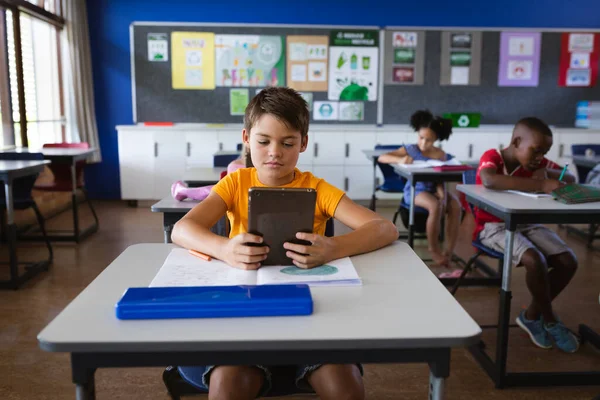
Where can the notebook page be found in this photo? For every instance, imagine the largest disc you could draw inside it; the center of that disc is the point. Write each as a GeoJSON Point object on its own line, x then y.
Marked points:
{"type": "Point", "coordinates": [183, 269]}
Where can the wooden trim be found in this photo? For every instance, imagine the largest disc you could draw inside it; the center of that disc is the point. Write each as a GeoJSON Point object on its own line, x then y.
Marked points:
{"type": "Point", "coordinates": [8, 130]}
{"type": "Point", "coordinates": [34, 11]}
{"type": "Point", "coordinates": [61, 99]}
{"type": "Point", "coordinates": [16, 15]}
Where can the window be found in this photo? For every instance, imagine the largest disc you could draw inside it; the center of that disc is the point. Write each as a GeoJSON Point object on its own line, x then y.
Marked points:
{"type": "Point", "coordinates": [35, 114]}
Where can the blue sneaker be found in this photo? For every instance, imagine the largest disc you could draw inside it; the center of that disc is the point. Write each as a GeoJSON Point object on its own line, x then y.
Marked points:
{"type": "Point", "coordinates": [535, 329]}
{"type": "Point", "coordinates": [562, 337]}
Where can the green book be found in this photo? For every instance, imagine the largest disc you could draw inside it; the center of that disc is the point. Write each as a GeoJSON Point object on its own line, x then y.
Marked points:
{"type": "Point", "coordinates": [575, 193]}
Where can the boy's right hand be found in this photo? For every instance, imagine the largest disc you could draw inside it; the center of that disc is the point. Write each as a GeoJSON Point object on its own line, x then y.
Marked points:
{"type": "Point", "coordinates": [238, 254]}
{"type": "Point", "coordinates": [549, 185]}
{"type": "Point", "coordinates": [408, 160]}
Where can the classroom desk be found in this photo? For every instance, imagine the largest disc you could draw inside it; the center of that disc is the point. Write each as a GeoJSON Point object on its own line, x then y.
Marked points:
{"type": "Point", "coordinates": [203, 176]}
{"type": "Point", "coordinates": [67, 156]}
{"type": "Point", "coordinates": [174, 210]}
{"type": "Point", "coordinates": [380, 322]}
{"type": "Point", "coordinates": [10, 170]}
{"type": "Point", "coordinates": [514, 210]}
{"type": "Point", "coordinates": [587, 162]}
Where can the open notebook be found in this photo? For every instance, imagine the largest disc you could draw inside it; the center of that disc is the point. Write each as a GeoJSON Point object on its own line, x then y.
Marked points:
{"type": "Point", "coordinates": [182, 269]}
{"type": "Point", "coordinates": [430, 164]}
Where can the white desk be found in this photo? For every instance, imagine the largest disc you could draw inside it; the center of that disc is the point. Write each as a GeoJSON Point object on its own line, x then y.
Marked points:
{"type": "Point", "coordinates": [9, 171]}
{"type": "Point", "coordinates": [514, 210]}
{"type": "Point", "coordinates": [401, 314]}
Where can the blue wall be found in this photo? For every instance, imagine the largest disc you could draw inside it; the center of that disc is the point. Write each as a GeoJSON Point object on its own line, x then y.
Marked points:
{"type": "Point", "coordinates": [109, 22]}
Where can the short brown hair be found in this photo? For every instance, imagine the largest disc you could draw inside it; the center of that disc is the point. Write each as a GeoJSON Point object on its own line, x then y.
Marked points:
{"type": "Point", "coordinates": [283, 103]}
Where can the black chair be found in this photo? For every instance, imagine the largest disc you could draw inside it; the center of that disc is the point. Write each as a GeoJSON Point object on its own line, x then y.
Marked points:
{"type": "Point", "coordinates": [22, 200]}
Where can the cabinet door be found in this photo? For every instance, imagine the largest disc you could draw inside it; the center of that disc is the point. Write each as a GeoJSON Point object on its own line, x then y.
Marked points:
{"type": "Point", "coordinates": [356, 142]}
{"type": "Point", "coordinates": [458, 145]}
{"type": "Point", "coordinates": [200, 147]}
{"type": "Point", "coordinates": [229, 140]}
{"type": "Point", "coordinates": [169, 161]}
{"type": "Point", "coordinates": [328, 147]}
{"type": "Point", "coordinates": [136, 164]}
{"type": "Point", "coordinates": [395, 138]}
{"type": "Point", "coordinates": [359, 180]}
{"type": "Point", "coordinates": [332, 174]}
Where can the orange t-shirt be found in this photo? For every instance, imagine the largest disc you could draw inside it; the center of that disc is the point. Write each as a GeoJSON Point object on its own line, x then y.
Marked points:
{"type": "Point", "coordinates": [233, 189]}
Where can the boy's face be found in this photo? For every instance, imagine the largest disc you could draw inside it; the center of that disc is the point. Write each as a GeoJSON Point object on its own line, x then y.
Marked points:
{"type": "Point", "coordinates": [427, 138]}
{"type": "Point", "coordinates": [531, 147]}
{"type": "Point", "coordinates": [274, 149]}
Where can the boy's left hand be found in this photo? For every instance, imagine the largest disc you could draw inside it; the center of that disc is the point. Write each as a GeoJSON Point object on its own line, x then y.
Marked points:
{"type": "Point", "coordinates": [320, 251]}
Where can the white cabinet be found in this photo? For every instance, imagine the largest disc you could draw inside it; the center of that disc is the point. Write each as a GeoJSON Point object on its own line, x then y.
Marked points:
{"type": "Point", "coordinates": [200, 147]}
{"type": "Point", "coordinates": [136, 162]}
{"type": "Point", "coordinates": [328, 148]}
{"type": "Point", "coordinates": [332, 174]}
{"type": "Point", "coordinates": [395, 138]}
{"type": "Point", "coordinates": [169, 161]}
{"type": "Point", "coordinates": [229, 140]}
{"type": "Point", "coordinates": [356, 142]}
{"type": "Point", "coordinates": [359, 181]}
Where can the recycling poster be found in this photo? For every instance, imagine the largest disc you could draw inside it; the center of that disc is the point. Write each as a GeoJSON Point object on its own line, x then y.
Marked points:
{"type": "Point", "coordinates": [353, 65]}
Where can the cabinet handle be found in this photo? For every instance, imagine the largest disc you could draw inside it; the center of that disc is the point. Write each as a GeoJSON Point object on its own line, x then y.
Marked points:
{"type": "Point", "coordinates": [189, 149]}
{"type": "Point", "coordinates": [347, 150]}
{"type": "Point", "coordinates": [346, 184]}
{"type": "Point", "coordinates": [220, 146]}
{"type": "Point", "coordinates": [316, 149]}
{"type": "Point", "coordinates": [155, 149]}
{"type": "Point", "coordinates": [561, 150]}
{"type": "Point", "coordinates": [470, 151]}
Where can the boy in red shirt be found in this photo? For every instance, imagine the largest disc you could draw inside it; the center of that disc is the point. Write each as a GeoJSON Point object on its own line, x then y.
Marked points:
{"type": "Point", "coordinates": [549, 262]}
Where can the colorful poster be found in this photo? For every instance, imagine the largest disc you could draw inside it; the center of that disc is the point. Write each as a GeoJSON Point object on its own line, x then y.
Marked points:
{"type": "Point", "coordinates": [353, 65]}
{"type": "Point", "coordinates": [460, 58]}
{"type": "Point", "coordinates": [352, 111]}
{"type": "Point", "coordinates": [238, 100]}
{"type": "Point", "coordinates": [405, 64]}
{"type": "Point", "coordinates": [325, 110]}
{"type": "Point", "coordinates": [579, 57]}
{"type": "Point", "coordinates": [158, 47]}
{"type": "Point", "coordinates": [250, 60]}
{"type": "Point", "coordinates": [519, 59]}
{"type": "Point", "coordinates": [307, 62]}
{"type": "Point", "coordinates": [192, 60]}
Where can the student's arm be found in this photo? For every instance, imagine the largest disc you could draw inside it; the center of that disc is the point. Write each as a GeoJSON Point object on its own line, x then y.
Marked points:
{"type": "Point", "coordinates": [370, 232]}
{"type": "Point", "coordinates": [193, 232]}
{"type": "Point", "coordinates": [492, 180]}
{"type": "Point", "coordinates": [399, 156]}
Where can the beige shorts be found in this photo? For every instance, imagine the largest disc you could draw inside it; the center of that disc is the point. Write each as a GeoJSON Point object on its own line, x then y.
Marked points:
{"type": "Point", "coordinates": [533, 236]}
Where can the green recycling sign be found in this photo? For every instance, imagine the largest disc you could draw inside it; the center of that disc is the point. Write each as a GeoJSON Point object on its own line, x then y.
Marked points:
{"type": "Point", "coordinates": [464, 120]}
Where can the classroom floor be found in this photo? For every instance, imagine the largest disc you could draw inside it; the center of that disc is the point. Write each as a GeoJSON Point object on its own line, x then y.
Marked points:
{"type": "Point", "coordinates": [28, 373]}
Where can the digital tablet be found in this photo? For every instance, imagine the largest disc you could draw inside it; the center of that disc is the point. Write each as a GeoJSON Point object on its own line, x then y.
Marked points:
{"type": "Point", "coordinates": [277, 214]}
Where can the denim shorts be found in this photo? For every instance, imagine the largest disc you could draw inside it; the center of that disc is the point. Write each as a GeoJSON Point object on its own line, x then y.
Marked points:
{"type": "Point", "coordinates": [280, 380]}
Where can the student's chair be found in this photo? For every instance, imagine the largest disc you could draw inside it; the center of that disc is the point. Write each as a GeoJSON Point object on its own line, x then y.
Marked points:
{"type": "Point", "coordinates": [469, 179]}
{"type": "Point", "coordinates": [63, 183]}
{"type": "Point", "coordinates": [223, 160]}
{"type": "Point", "coordinates": [22, 198]}
{"type": "Point", "coordinates": [579, 150]}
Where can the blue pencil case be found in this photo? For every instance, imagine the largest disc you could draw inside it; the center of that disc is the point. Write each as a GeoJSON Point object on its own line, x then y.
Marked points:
{"type": "Point", "coordinates": [214, 302]}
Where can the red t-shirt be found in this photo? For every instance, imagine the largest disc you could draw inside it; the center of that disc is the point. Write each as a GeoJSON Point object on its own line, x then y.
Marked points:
{"type": "Point", "coordinates": [493, 159]}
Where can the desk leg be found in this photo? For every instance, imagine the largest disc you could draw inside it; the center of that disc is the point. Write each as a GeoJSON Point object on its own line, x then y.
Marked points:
{"type": "Point", "coordinates": [439, 370]}
{"type": "Point", "coordinates": [74, 202]}
{"type": "Point", "coordinates": [167, 229]}
{"type": "Point", "coordinates": [436, 387]}
{"type": "Point", "coordinates": [83, 378]}
{"type": "Point", "coordinates": [504, 311]}
{"type": "Point", "coordinates": [11, 235]}
{"type": "Point", "coordinates": [411, 216]}
{"type": "Point", "coordinates": [372, 206]}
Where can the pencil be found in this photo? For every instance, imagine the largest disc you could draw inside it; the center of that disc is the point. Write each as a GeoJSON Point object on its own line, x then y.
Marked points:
{"type": "Point", "coordinates": [562, 174]}
{"type": "Point", "coordinates": [200, 255]}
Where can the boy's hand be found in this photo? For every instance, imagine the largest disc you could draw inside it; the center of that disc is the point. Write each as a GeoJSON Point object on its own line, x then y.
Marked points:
{"type": "Point", "coordinates": [541, 173]}
{"type": "Point", "coordinates": [408, 160]}
{"type": "Point", "coordinates": [549, 185]}
{"type": "Point", "coordinates": [238, 254]}
{"type": "Point", "coordinates": [320, 251]}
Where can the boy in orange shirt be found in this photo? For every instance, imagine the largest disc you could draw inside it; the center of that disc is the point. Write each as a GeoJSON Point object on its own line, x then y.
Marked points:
{"type": "Point", "coordinates": [276, 132]}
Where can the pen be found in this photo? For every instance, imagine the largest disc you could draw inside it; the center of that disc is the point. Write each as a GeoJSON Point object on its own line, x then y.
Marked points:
{"type": "Point", "coordinates": [200, 255]}
{"type": "Point", "coordinates": [562, 174]}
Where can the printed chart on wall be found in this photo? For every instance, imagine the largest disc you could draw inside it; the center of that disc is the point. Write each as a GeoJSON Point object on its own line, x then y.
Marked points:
{"type": "Point", "coordinates": [579, 56]}
{"type": "Point", "coordinates": [353, 65]}
{"type": "Point", "coordinates": [460, 58]}
{"type": "Point", "coordinates": [519, 59]}
{"type": "Point", "coordinates": [307, 63]}
{"type": "Point", "coordinates": [192, 60]}
{"type": "Point", "coordinates": [405, 64]}
{"type": "Point", "coordinates": [250, 60]}
{"type": "Point", "coordinates": [158, 47]}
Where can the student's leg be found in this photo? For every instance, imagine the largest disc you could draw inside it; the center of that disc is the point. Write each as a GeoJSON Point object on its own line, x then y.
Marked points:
{"type": "Point", "coordinates": [433, 205]}
{"type": "Point", "coordinates": [337, 382]}
{"type": "Point", "coordinates": [538, 283]}
{"type": "Point", "coordinates": [452, 223]}
{"type": "Point", "coordinates": [229, 382]}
